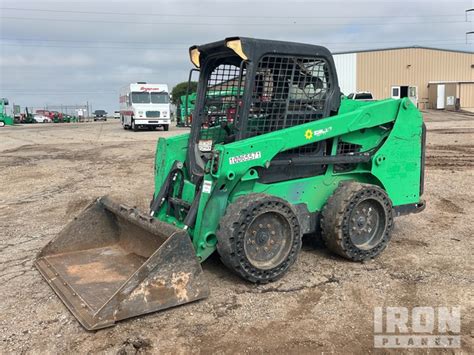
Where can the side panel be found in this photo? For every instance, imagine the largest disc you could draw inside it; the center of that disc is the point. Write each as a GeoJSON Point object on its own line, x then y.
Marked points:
{"type": "Point", "coordinates": [397, 163]}
{"type": "Point", "coordinates": [313, 191]}
{"type": "Point", "coordinates": [125, 108]}
{"type": "Point", "coordinates": [168, 150]}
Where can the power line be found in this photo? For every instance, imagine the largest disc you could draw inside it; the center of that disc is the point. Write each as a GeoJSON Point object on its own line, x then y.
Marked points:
{"type": "Point", "coordinates": [187, 44]}
{"type": "Point", "coordinates": [213, 16]}
{"type": "Point", "coordinates": [225, 24]}
{"type": "Point", "coordinates": [20, 92]}
{"type": "Point", "coordinates": [86, 41]}
{"type": "Point", "coordinates": [446, 42]}
{"type": "Point", "coordinates": [90, 47]}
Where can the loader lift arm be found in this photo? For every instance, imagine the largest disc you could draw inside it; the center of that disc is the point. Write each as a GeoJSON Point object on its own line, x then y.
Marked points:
{"type": "Point", "coordinates": [271, 144]}
{"type": "Point", "coordinates": [238, 162]}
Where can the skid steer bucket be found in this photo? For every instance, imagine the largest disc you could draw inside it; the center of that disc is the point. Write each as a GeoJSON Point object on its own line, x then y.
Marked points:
{"type": "Point", "coordinates": [113, 262]}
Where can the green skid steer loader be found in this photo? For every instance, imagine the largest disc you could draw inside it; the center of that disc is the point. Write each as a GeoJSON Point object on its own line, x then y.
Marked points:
{"type": "Point", "coordinates": [284, 157]}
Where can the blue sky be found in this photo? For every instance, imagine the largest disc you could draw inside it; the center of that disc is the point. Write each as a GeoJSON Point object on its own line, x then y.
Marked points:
{"type": "Point", "coordinates": [70, 52]}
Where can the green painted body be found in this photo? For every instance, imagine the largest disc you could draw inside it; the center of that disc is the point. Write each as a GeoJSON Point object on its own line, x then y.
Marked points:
{"type": "Point", "coordinates": [186, 102]}
{"type": "Point", "coordinates": [8, 120]}
{"type": "Point", "coordinates": [69, 118]}
{"type": "Point", "coordinates": [396, 166]}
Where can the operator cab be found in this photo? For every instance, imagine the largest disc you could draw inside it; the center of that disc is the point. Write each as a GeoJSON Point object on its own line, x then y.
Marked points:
{"type": "Point", "coordinates": [248, 87]}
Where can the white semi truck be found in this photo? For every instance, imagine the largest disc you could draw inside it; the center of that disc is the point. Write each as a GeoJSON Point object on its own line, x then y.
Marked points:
{"type": "Point", "coordinates": [145, 105]}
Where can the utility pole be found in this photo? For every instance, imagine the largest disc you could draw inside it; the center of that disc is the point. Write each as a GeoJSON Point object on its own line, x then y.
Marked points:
{"type": "Point", "coordinates": [469, 32]}
{"type": "Point", "coordinates": [467, 12]}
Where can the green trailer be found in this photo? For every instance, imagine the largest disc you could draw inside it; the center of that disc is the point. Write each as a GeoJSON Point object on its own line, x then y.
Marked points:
{"type": "Point", "coordinates": [286, 158]}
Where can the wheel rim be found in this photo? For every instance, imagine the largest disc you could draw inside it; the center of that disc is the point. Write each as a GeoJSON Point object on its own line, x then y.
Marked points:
{"type": "Point", "coordinates": [268, 240]}
{"type": "Point", "coordinates": [366, 224]}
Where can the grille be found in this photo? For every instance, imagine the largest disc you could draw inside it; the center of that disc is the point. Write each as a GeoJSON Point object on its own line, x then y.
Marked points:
{"type": "Point", "coordinates": [224, 89]}
{"type": "Point", "coordinates": [153, 114]}
{"type": "Point", "coordinates": [288, 91]}
{"type": "Point", "coordinates": [346, 148]}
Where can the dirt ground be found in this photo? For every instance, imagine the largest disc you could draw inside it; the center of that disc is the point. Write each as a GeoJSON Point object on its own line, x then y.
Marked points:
{"type": "Point", "coordinates": [49, 172]}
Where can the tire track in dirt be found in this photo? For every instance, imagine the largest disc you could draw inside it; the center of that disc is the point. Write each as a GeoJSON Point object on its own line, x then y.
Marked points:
{"type": "Point", "coordinates": [454, 157]}
{"type": "Point", "coordinates": [452, 131]}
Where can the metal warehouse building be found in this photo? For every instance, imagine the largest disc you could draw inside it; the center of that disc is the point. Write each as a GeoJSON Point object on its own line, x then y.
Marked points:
{"type": "Point", "coordinates": [431, 77]}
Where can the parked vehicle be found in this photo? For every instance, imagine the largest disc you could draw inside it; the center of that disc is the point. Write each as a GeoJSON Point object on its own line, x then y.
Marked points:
{"type": "Point", "coordinates": [361, 96]}
{"type": "Point", "coordinates": [56, 117]}
{"type": "Point", "coordinates": [116, 114]}
{"type": "Point", "coordinates": [68, 118]}
{"type": "Point", "coordinates": [145, 105]}
{"type": "Point", "coordinates": [39, 118]}
{"type": "Point", "coordinates": [43, 112]}
{"type": "Point", "coordinates": [100, 115]}
{"type": "Point", "coordinates": [28, 117]}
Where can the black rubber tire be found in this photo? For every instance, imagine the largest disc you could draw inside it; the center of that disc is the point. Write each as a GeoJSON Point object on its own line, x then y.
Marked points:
{"type": "Point", "coordinates": [236, 222]}
{"type": "Point", "coordinates": [133, 127]}
{"type": "Point", "coordinates": [336, 220]}
{"type": "Point", "coordinates": [166, 127]}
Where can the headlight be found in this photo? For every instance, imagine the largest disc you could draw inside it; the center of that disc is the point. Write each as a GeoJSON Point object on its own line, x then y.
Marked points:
{"type": "Point", "coordinates": [194, 55]}
{"type": "Point", "coordinates": [236, 46]}
{"type": "Point", "coordinates": [140, 112]}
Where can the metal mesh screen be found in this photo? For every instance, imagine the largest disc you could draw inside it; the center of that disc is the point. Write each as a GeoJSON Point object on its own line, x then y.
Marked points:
{"type": "Point", "coordinates": [346, 148]}
{"type": "Point", "coordinates": [288, 91]}
{"type": "Point", "coordinates": [224, 90]}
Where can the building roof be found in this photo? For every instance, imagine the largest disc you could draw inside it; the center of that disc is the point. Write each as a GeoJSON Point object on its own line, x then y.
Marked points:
{"type": "Point", "coordinates": [407, 47]}
{"type": "Point", "coordinates": [451, 82]}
